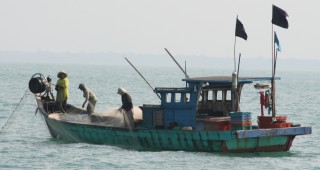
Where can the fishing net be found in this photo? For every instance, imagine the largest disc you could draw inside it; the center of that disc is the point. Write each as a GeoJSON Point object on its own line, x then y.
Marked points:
{"type": "Point", "coordinates": [113, 117]}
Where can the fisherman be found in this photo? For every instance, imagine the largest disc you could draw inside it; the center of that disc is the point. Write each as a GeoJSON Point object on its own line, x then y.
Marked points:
{"type": "Point", "coordinates": [48, 95]}
{"type": "Point", "coordinates": [127, 107]}
{"type": "Point", "coordinates": [89, 96]}
{"type": "Point", "coordinates": [62, 88]}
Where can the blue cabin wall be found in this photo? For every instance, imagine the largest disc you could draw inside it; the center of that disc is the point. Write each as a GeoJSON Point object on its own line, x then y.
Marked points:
{"type": "Point", "coordinates": [182, 112]}
{"type": "Point", "coordinates": [152, 116]}
{"type": "Point", "coordinates": [180, 116]}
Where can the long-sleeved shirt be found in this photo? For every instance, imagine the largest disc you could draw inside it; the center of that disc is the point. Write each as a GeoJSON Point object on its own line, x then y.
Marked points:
{"type": "Point", "coordinates": [89, 95]}
{"type": "Point", "coordinates": [126, 102]}
{"type": "Point", "coordinates": [63, 92]}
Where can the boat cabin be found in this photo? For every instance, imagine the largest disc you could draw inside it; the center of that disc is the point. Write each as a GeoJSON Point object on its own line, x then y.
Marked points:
{"type": "Point", "coordinates": [203, 99]}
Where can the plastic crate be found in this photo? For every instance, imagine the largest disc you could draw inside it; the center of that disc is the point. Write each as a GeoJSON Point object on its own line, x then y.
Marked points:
{"type": "Point", "coordinates": [240, 116]}
{"type": "Point", "coordinates": [222, 123]}
{"type": "Point", "coordinates": [247, 123]}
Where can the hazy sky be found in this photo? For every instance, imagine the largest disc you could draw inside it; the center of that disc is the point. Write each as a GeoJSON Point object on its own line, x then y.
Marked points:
{"type": "Point", "coordinates": [186, 27]}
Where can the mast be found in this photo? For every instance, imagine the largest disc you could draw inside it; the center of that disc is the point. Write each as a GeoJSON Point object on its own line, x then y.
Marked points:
{"type": "Point", "coordinates": [273, 91]}
{"type": "Point", "coordinates": [240, 32]}
{"type": "Point", "coordinates": [184, 72]}
{"type": "Point", "coordinates": [273, 84]}
{"type": "Point", "coordinates": [279, 18]}
{"type": "Point", "coordinates": [142, 77]}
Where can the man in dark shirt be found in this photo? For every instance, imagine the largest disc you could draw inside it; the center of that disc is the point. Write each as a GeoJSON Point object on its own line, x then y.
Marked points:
{"type": "Point", "coordinates": [127, 107]}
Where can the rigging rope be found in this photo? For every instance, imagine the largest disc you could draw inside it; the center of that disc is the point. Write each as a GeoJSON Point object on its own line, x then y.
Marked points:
{"type": "Point", "coordinates": [17, 107]}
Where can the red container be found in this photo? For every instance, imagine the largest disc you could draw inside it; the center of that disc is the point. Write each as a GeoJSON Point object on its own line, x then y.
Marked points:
{"type": "Point", "coordinates": [265, 122]}
{"type": "Point", "coordinates": [281, 118]}
{"type": "Point", "coordinates": [282, 125]}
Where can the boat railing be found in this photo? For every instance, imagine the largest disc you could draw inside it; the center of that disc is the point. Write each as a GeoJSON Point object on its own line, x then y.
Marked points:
{"type": "Point", "coordinates": [171, 89]}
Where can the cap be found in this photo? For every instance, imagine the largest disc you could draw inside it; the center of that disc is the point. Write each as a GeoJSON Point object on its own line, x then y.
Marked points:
{"type": "Point", "coordinates": [81, 86]}
{"type": "Point", "coordinates": [49, 78]}
{"type": "Point", "coordinates": [121, 90]}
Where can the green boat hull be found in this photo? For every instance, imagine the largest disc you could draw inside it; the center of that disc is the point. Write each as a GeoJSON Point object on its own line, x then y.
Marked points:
{"type": "Point", "coordinates": [163, 139]}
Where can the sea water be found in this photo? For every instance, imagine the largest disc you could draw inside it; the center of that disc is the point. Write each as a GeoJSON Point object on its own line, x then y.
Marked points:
{"type": "Point", "coordinates": [25, 142]}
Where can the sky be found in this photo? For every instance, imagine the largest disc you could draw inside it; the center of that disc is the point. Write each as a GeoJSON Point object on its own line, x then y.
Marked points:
{"type": "Point", "coordinates": [190, 28]}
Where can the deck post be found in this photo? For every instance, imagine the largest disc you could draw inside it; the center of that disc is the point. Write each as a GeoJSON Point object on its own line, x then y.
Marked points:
{"type": "Point", "coordinates": [234, 91]}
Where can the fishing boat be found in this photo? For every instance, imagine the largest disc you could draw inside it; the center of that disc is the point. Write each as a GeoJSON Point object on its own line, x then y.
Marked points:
{"type": "Point", "coordinates": [203, 116]}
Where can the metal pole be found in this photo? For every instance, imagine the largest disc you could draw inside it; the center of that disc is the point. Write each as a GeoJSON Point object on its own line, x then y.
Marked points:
{"type": "Point", "coordinates": [237, 90]}
{"type": "Point", "coordinates": [177, 63]}
{"type": "Point", "coordinates": [185, 67]}
{"type": "Point", "coordinates": [238, 67]}
{"type": "Point", "coordinates": [274, 86]}
{"type": "Point", "coordinates": [272, 81]}
{"type": "Point", "coordinates": [275, 62]}
{"type": "Point", "coordinates": [234, 48]}
{"type": "Point", "coordinates": [272, 42]}
{"type": "Point", "coordinates": [142, 77]}
{"type": "Point", "coordinates": [234, 53]}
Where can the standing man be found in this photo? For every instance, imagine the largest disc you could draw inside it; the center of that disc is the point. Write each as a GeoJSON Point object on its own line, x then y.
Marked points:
{"type": "Point", "coordinates": [48, 95]}
{"type": "Point", "coordinates": [62, 88]}
{"type": "Point", "coordinates": [127, 107]}
{"type": "Point", "coordinates": [90, 97]}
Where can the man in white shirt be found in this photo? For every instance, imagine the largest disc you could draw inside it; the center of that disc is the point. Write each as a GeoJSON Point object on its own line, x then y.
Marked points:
{"type": "Point", "coordinates": [89, 96]}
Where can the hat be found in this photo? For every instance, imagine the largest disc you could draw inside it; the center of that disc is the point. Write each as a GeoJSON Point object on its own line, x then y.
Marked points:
{"type": "Point", "coordinates": [81, 86]}
{"type": "Point", "coordinates": [121, 90]}
{"type": "Point", "coordinates": [49, 78]}
{"type": "Point", "coordinates": [60, 73]}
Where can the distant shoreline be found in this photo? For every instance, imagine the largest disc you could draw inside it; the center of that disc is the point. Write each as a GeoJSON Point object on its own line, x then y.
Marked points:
{"type": "Point", "coordinates": [151, 60]}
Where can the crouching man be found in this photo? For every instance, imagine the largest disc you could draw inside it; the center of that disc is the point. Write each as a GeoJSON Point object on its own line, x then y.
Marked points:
{"type": "Point", "coordinates": [90, 98]}
{"type": "Point", "coordinates": [127, 107]}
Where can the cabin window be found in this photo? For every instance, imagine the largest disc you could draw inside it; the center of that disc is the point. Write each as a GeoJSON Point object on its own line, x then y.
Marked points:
{"type": "Point", "coordinates": [187, 97]}
{"type": "Point", "coordinates": [210, 95]}
{"type": "Point", "coordinates": [177, 97]}
{"type": "Point", "coordinates": [168, 98]}
{"type": "Point", "coordinates": [219, 95]}
{"type": "Point", "coordinates": [228, 97]}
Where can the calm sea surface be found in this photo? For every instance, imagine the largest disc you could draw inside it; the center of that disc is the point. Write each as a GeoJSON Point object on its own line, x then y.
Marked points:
{"type": "Point", "coordinates": [25, 142]}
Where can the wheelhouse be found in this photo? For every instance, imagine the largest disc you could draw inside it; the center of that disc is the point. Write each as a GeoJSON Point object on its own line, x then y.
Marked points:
{"type": "Point", "coordinates": [201, 99]}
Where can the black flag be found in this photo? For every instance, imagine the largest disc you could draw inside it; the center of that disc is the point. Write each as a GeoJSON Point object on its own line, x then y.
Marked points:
{"type": "Point", "coordinates": [279, 17]}
{"type": "Point", "coordinates": [240, 32]}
